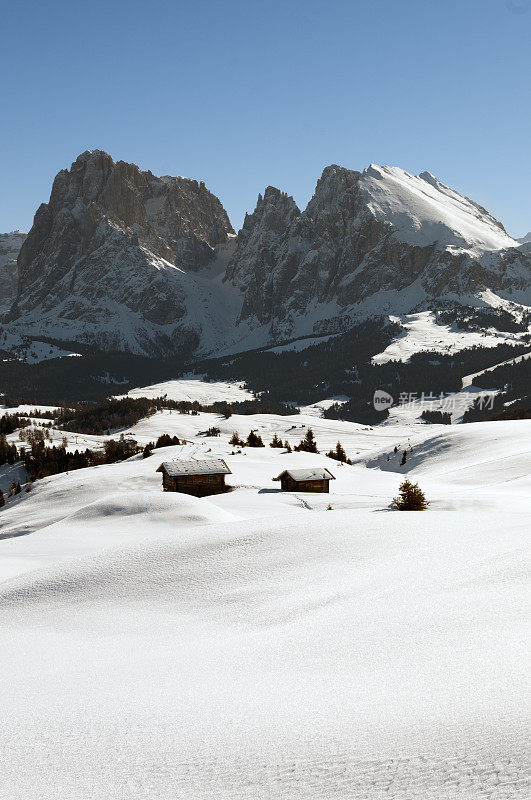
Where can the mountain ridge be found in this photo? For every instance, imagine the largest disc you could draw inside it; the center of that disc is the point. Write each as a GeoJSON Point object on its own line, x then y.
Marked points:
{"type": "Point", "coordinates": [121, 259]}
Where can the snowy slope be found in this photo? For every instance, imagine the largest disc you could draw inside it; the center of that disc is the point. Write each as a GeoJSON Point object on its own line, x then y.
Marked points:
{"type": "Point", "coordinates": [254, 644]}
{"type": "Point", "coordinates": [423, 210]}
{"type": "Point", "coordinates": [193, 388]}
{"type": "Point", "coordinates": [423, 332]}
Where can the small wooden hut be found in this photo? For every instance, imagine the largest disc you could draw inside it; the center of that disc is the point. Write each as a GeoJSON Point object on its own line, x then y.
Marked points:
{"type": "Point", "coordinates": [313, 479]}
{"type": "Point", "coordinates": [199, 478]}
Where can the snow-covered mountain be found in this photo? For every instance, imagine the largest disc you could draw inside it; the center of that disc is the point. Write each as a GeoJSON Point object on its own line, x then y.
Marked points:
{"type": "Point", "coordinates": [124, 260]}
{"type": "Point", "coordinates": [526, 238]}
{"type": "Point", "coordinates": [371, 241]}
{"type": "Point", "coordinates": [10, 244]}
{"type": "Point", "coordinates": [106, 258]}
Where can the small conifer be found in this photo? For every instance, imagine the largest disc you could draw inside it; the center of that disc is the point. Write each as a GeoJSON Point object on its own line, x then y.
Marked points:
{"type": "Point", "coordinates": [254, 440]}
{"type": "Point", "coordinates": [308, 444]}
{"type": "Point", "coordinates": [410, 497]}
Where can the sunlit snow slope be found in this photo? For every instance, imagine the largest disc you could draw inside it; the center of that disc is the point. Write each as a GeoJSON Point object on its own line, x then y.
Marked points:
{"type": "Point", "coordinates": [255, 644]}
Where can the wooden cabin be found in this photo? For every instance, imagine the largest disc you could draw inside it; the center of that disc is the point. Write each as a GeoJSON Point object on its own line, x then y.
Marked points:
{"type": "Point", "coordinates": [199, 478]}
{"type": "Point", "coordinates": [313, 479]}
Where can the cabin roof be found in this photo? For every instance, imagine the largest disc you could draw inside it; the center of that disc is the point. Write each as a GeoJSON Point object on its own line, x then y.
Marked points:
{"type": "Point", "coordinates": [309, 474]}
{"type": "Point", "coordinates": [207, 466]}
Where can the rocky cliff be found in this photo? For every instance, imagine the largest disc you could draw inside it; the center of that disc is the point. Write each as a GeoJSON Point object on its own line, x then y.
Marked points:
{"type": "Point", "coordinates": [10, 244]}
{"type": "Point", "coordinates": [124, 260]}
{"type": "Point", "coordinates": [377, 238]}
{"type": "Point", "coordinates": [105, 257]}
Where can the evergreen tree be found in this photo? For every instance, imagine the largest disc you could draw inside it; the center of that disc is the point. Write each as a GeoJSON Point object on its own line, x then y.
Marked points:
{"type": "Point", "coordinates": [165, 440]}
{"type": "Point", "coordinates": [339, 454]}
{"type": "Point", "coordinates": [254, 440]}
{"type": "Point", "coordinates": [410, 497]}
{"type": "Point", "coordinates": [276, 442]}
{"type": "Point", "coordinates": [287, 446]}
{"type": "Point", "coordinates": [236, 441]}
{"type": "Point", "coordinates": [404, 458]}
{"type": "Point", "coordinates": [148, 450]}
{"type": "Point", "coordinates": [308, 444]}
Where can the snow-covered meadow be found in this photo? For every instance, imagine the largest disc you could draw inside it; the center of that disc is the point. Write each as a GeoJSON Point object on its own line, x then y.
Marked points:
{"type": "Point", "coordinates": [257, 645]}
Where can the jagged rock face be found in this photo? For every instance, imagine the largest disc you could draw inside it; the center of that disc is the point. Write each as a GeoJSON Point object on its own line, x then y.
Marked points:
{"type": "Point", "coordinates": [109, 242]}
{"type": "Point", "coordinates": [365, 233]}
{"type": "Point", "coordinates": [10, 244]}
{"type": "Point", "coordinates": [122, 259]}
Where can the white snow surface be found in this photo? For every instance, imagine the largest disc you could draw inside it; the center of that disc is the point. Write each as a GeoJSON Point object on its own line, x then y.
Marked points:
{"type": "Point", "coordinates": [423, 332]}
{"type": "Point", "coordinates": [423, 211]}
{"type": "Point", "coordinates": [256, 645]}
{"type": "Point", "coordinates": [194, 388]}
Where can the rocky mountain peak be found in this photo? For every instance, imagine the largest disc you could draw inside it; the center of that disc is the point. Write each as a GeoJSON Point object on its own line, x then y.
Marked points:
{"type": "Point", "coordinates": [274, 212]}
{"type": "Point", "coordinates": [116, 257]}
{"type": "Point", "coordinates": [334, 182]}
{"type": "Point", "coordinates": [106, 245]}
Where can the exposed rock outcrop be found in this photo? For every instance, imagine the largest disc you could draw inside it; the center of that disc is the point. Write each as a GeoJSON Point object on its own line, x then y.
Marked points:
{"type": "Point", "coordinates": [10, 244]}
{"type": "Point", "coordinates": [109, 250]}
{"type": "Point", "coordinates": [379, 231]}
{"type": "Point", "coordinates": [122, 259]}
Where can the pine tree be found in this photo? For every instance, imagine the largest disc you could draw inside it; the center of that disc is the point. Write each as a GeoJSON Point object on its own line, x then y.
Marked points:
{"type": "Point", "coordinates": [287, 446]}
{"type": "Point", "coordinates": [275, 442]}
{"type": "Point", "coordinates": [308, 444]}
{"type": "Point", "coordinates": [254, 440]}
{"type": "Point", "coordinates": [339, 454]}
{"type": "Point", "coordinates": [235, 440]}
{"type": "Point", "coordinates": [410, 497]}
{"type": "Point", "coordinates": [148, 450]}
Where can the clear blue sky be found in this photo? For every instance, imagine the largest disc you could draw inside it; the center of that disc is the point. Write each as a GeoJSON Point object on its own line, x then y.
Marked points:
{"type": "Point", "coordinates": [242, 94]}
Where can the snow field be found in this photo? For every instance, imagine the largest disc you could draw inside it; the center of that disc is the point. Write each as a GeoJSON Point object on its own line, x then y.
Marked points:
{"type": "Point", "coordinates": [422, 332]}
{"type": "Point", "coordinates": [255, 644]}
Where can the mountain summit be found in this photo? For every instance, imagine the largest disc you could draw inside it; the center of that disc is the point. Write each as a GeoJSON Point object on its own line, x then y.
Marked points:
{"type": "Point", "coordinates": [123, 260]}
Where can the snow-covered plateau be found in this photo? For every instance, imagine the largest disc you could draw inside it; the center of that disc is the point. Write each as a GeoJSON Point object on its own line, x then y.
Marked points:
{"type": "Point", "coordinates": [256, 644]}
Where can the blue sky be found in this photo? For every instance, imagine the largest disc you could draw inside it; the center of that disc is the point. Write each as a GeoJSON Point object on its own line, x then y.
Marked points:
{"type": "Point", "coordinates": [246, 94]}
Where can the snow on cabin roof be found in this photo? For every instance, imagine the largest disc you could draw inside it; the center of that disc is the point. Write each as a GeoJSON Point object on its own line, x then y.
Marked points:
{"type": "Point", "coordinates": [207, 466]}
{"type": "Point", "coordinates": [310, 474]}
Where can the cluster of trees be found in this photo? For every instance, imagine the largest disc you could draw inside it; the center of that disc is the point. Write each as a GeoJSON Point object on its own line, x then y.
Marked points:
{"type": "Point", "coordinates": [308, 375]}
{"type": "Point", "coordinates": [307, 444]}
{"type": "Point", "coordinates": [11, 422]}
{"type": "Point", "coordinates": [513, 401]}
{"type": "Point", "coordinates": [103, 417]}
{"type": "Point", "coordinates": [111, 414]}
{"type": "Point", "coordinates": [440, 417]}
{"type": "Point", "coordinates": [253, 440]}
{"type": "Point", "coordinates": [477, 319]}
{"type": "Point", "coordinates": [14, 489]}
{"type": "Point", "coordinates": [42, 461]}
{"type": "Point", "coordinates": [8, 452]}
{"type": "Point", "coordinates": [92, 378]}
{"type": "Point", "coordinates": [165, 440]}
{"type": "Point", "coordinates": [339, 454]}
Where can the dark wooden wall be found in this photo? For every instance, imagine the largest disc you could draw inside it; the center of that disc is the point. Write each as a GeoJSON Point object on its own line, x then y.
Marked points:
{"type": "Point", "coordinates": [197, 485]}
{"type": "Point", "coordinates": [289, 485]}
